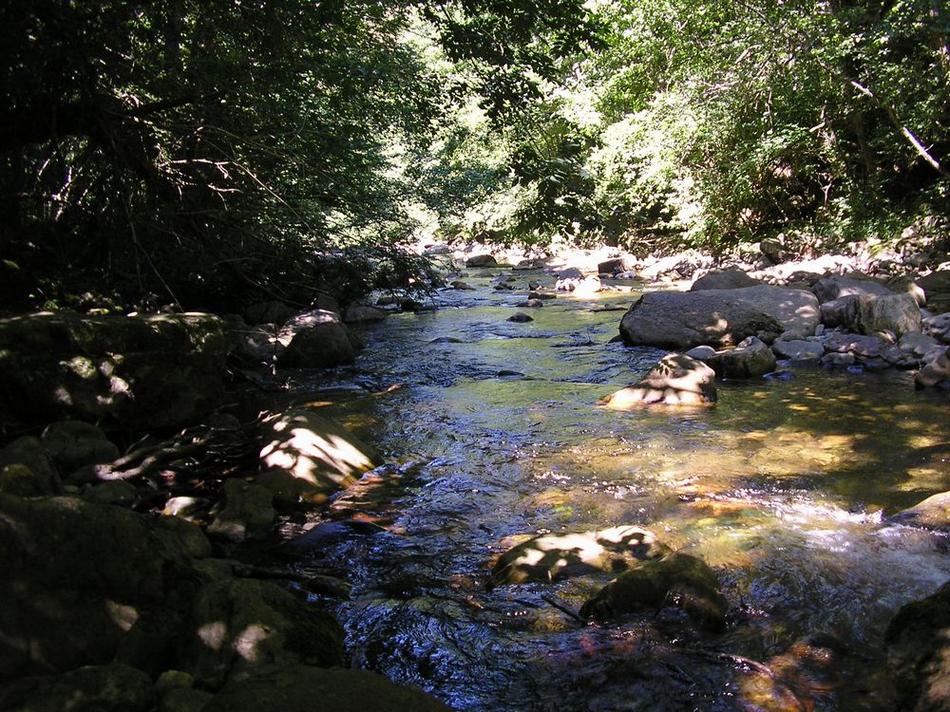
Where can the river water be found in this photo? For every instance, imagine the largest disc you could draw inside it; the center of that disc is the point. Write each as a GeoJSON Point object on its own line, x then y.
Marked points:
{"type": "Point", "coordinates": [491, 429]}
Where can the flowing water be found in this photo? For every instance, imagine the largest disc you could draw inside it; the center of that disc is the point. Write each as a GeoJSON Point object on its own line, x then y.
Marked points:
{"type": "Point", "coordinates": [492, 429]}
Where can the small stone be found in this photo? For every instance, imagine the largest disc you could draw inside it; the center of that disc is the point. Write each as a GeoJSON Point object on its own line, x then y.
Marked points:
{"type": "Point", "coordinates": [520, 318]}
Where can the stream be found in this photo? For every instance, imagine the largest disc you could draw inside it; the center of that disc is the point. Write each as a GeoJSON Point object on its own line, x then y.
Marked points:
{"type": "Point", "coordinates": [491, 429]}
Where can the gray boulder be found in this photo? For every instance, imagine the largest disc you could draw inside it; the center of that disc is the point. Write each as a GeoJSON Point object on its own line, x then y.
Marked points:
{"type": "Point", "coordinates": [138, 372]}
{"type": "Point", "coordinates": [682, 320]}
{"type": "Point", "coordinates": [894, 313]}
{"type": "Point", "coordinates": [931, 513]}
{"type": "Point", "coordinates": [245, 512]}
{"type": "Point", "coordinates": [481, 261]}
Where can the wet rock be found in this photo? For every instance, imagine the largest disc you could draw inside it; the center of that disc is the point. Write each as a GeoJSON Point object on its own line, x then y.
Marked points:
{"type": "Point", "coordinates": [935, 372]}
{"type": "Point", "coordinates": [133, 372]}
{"type": "Point", "coordinates": [531, 304]}
{"type": "Point", "coordinates": [932, 513]}
{"type": "Point", "coordinates": [188, 508]}
{"type": "Point", "coordinates": [315, 339]}
{"type": "Point", "coordinates": [918, 653]}
{"type": "Point", "coordinates": [298, 688]}
{"type": "Point", "coordinates": [481, 261]}
{"type": "Point", "coordinates": [72, 444]}
{"type": "Point", "coordinates": [798, 350]}
{"type": "Point", "coordinates": [95, 688]}
{"type": "Point", "coordinates": [314, 449]}
{"type": "Point", "coordinates": [241, 624]}
{"type": "Point", "coordinates": [26, 469]}
{"type": "Point", "coordinates": [702, 353]}
{"type": "Point", "coordinates": [459, 284]}
{"type": "Point", "coordinates": [831, 288]}
{"type": "Point", "coordinates": [446, 340]}
{"type": "Point", "coordinates": [676, 379]}
{"type": "Point", "coordinates": [503, 283]}
{"type": "Point", "coordinates": [751, 358]}
{"type": "Point", "coordinates": [541, 295]}
{"type": "Point", "coordinates": [841, 312]}
{"type": "Point", "coordinates": [724, 279]}
{"type": "Point", "coordinates": [682, 320]}
{"type": "Point", "coordinates": [327, 534]}
{"type": "Point", "coordinates": [363, 313]}
{"type": "Point", "coordinates": [833, 359]}
{"type": "Point", "coordinates": [553, 556]}
{"type": "Point", "coordinates": [288, 492]}
{"type": "Point", "coordinates": [245, 512]}
{"type": "Point", "coordinates": [938, 327]}
{"type": "Point", "coordinates": [917, 344]}
{"type": "Point", "coordinates": [520, 318]}
{"type": "Point", "coordinates": [270, 312]}
{"type": "Point", "coordinates": [573, 280]}
{"type": "Point", "coordinates": [678, 580]}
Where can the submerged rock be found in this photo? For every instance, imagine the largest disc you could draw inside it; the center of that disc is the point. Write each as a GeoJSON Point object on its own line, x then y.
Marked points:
{"type": "Point", "coordinates": [918, 652]}
{"type": "Point", "coordinates": [520, 318]}
{"type": "Point", "coordinates": [133, 372]}
{"type": "Point", "coordinates": [553, 556]}
{"type": "Point", "coordinates": [676, 379]}
{"type": "Point", "coordinates": [678, 580]}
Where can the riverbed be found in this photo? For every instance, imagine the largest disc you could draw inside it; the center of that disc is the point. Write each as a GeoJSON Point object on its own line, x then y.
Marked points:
{"type": "Point", "coordinates": [491, 429]}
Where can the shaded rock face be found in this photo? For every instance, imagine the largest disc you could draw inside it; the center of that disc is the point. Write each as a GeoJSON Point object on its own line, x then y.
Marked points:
{"type": "Point", "coordinates": [936, 287]}
{"type": "Point", "coordinates": [895, 313]}
{"type": "Point", "coordinates": [931, 513]}
{"type": "Point", "coordinates": [751, 358]}
{"type": "Point", "coordinates": [724, 279]}
{"type": "Point", "coordinates": [918, 652]}
{"type": "Point", "coordinates": [27, 470]}
{"type": "Point", "coordinates": [315, 339]}
{"type": "Point", "coordinates": [678, 580]}
{"type": "Point", "coordinates": [95, 688]}
{"type": "Point", "coordinates": [241, 624]}
{"type": "Point", "coordinates": [682, 320]}
{"type": "Point", "coordinates": [314, 450]}
{"type": "Point", "coordinates": [363, 313]}
{"type": "Point", "coordinates": [616, 265]}
{"type": "Point", "coordinates": [246, 512]}
{"type": "Point", "coordinates": [270, 312]}
{"type": "Point", "coordinates": [553, 556]}
{"type": "Point", "coordinates": [677, 379]}
{"type": "Point", "coordinates": [131, 372]}
{"type": "Point", "coordinates": [78, 576]}
{"type": "Point", "coordinates": [297, 688]}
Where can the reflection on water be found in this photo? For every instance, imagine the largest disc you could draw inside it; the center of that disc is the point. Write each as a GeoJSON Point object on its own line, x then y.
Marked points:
{"type": "Point", "coordinates": [781, 488]}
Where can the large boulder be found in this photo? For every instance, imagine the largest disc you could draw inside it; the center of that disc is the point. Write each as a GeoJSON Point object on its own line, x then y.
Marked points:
{"type": "Point", "coordinates": [78, 575]}
{"type": "Point", "coordinates": [315, 339]}
{"type": "Point", "coordinates": [831, 288]}
{"type": "Point", "coordinates": [894, 313]}
{"type": "Point", "coordinates": [682, 320]}
{"type": "Point", "coordinates": [94, 688]}
{"type": "Point", "coordinates": [314, 450]}
{"type": "Point", "coordinates": [918, 652]}
{"type": "Point", "coordinates": [678, 580]}
{"type": "Point", "coordinates": [552, 556]}
{"type": "Point", "coordinates": [131, 372]}
{"type": "Point", "coordinates": [299, 688]}
{"type": "Point", "coordinates": [677, 379]}
{"type": "Point", "coordinates": [724, 279]}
